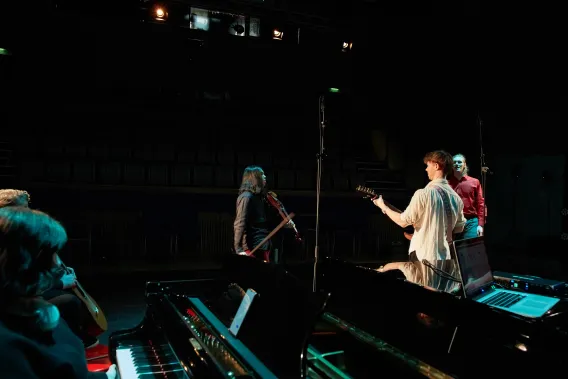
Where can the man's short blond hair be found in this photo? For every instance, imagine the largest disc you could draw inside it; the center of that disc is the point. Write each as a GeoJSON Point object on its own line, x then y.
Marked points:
{"type": "Point", "coordinates": [14, 198]}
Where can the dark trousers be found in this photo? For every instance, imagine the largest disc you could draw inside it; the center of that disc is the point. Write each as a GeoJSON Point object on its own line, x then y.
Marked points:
{"type": "Point", "coordinates": [70, 307]}
{"type": "Point", "coordinates": [261, 254]}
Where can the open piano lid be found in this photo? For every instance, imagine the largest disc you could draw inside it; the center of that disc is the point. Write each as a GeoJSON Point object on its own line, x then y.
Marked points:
{"type": "Point", "coordinates": [279, 322]}
{"type": "Point", "coordinates": [283, 316]}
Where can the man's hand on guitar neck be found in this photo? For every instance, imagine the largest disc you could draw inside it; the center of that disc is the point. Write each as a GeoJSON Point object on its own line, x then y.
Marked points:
{"type": "Point", "coordinates": [391, 213]}
{"type": "Point", "coordinates": [379, 202]}
{"type": "Point", "coordinates": [69, 280]}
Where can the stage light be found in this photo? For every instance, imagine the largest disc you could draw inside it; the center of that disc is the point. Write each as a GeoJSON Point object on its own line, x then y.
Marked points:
{"type": "Point", "coordinates": [521, 346]}
{"type": "Point", "coordinates": [239, 29]}
{"type": "Point", "coordinates": [160, 13]}
{"type": "Point", "coordinates": [277, 34]}
{"type": "Point", "coordinates": [347, 46]}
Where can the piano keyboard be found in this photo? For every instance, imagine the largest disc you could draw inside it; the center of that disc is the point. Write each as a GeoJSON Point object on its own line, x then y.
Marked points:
{"type": "Point", "coordinates": [147, 362]}
{"type": "Point", "coordinates": [180, 337]}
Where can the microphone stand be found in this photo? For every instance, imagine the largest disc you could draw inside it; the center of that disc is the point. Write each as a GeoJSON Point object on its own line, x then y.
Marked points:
{"type": "Point", "coordinates": [484, 168]}
{"type": "Point", "coordinates": [320, 155]}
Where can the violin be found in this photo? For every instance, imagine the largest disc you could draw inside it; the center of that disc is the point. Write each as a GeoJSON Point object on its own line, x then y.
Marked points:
{"type": "Point", "coordinates": [272, 199]}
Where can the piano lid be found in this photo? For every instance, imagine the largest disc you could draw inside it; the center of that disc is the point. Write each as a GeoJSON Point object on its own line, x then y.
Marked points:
{"type": "Point", "coordinates": [423, 322]}
{"type": "Point", "coordinates": [282, 317]}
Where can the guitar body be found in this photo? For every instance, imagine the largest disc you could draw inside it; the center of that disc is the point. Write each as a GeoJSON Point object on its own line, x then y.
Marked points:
{"type": "Point", "coordinates": [371, 194]}
{"type": "Point", "coordinates": [100, 324]}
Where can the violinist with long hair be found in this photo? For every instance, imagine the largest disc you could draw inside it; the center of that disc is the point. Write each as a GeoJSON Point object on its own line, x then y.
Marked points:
{"type": "Point", "coordinates": [250, 226]}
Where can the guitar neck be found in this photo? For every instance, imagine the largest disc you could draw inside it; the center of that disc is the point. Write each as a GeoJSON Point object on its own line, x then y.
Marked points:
{"type": "Point", "coordinates": [392, 207]}
{"type": "Point", "coordinates": [371, 193]}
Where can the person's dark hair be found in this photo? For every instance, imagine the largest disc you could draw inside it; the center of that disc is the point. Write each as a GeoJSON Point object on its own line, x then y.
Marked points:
{"type": "Point", "coordinates": [14, 198]}
{"type": "Point", "coordinates": [443, 159]}
{"type": "Point", "coordinates": [28, 241]}
{"type": "Point", "coordinates": [466, 170]}
{"type": "Point", "coordinates": [252, 180]}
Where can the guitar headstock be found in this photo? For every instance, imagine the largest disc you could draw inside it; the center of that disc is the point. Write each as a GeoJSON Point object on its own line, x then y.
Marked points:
{"type": "Point", "coordinates": [369, 192]}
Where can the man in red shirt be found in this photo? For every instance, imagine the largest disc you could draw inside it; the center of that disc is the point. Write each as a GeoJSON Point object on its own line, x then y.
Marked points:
{"type": "Point", "coordinates": [471, 193]}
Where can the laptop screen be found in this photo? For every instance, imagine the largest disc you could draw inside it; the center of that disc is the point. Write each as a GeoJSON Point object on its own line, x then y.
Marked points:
{"type": "Point", "coordinates": [474, 266]}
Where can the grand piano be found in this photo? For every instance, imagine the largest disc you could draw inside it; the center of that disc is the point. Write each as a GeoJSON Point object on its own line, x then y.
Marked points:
{"type": "Point", "coordinates": [360, 324]}
{"type": "Point", "coordinates": [423, 333]}
{"type": "Point", "coordinates": [185, 331]}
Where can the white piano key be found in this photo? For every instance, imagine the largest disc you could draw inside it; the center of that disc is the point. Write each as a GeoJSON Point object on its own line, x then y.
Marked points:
{"type": "Point", "coordinates": [125, 363]}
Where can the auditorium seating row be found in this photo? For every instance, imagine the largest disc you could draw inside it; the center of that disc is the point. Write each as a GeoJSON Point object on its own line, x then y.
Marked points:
{"type": "Point", "coordinates": [203, 154]}
{"type": "Point", "coordinates": [205, 163]}
{"type": "Point", "coordinates": [124, 237]}
{"type": "Point", "coordinates": [179, 175]}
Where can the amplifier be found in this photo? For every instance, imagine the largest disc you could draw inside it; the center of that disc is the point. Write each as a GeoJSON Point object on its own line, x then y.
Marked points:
{"type": "Point", "coordinates": [531, 284]}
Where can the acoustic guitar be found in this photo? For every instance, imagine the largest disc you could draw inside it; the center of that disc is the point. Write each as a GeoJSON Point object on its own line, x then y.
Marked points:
{"type": "Point", "coordinates": [99, 324]}
{"type": "Point", "coordinates": [369, 193]}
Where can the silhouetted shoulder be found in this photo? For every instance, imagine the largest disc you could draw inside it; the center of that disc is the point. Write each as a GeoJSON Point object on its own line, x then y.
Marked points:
{"type": "Point", "coordinates": [246, 194]}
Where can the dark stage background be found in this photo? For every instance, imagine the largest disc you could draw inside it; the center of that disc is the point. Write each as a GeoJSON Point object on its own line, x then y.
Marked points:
{"type": "Point", "coordinates": [134, 134]}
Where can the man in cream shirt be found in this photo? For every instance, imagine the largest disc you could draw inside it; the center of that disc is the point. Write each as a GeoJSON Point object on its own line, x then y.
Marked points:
{"type": "Point", "coordinates": [436, 212]}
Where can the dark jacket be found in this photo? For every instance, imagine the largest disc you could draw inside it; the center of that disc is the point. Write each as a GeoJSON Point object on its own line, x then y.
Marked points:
{"type": "Point", "coordinates": [250, 223]}
{"type": "Point", "coordinates": [28, 353]}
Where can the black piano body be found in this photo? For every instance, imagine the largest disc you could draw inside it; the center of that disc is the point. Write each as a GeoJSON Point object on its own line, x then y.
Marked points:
{"type": "Point", "coordinates": [360, 324]}
{"type": "Point", "coordinates": [184, 333]}
{"type": "Point", "coordinates": [435, 334]}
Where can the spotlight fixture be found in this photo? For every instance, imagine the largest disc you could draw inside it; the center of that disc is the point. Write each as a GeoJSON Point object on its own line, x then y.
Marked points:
{"type": "Point", "coordinates": [347, 46]}
{"type": "Point", "coordinates": [277, 34]}
{"type": "Point", "coordinates": [239, 29]}
{"type": "Point", "coordinates": [160, 13]}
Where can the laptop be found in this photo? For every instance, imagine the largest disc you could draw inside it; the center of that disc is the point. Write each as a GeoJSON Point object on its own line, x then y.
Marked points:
{"type": "Point", "coordinates": [479, 285]}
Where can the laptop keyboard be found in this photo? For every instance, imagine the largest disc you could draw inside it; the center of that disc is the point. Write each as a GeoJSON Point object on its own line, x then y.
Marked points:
{"type": "Point", "coordinates": [504, 299]}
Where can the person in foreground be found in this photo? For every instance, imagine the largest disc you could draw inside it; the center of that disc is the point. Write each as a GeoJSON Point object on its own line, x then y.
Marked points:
{"type": "Point", "coordinates": [69, 305]}
{"type": "Point", "coordinates": [436, 212]}
{"type": "Point", "coordinates": [470, 191]}
{"type": "Point", "coordinates": [36, 341]}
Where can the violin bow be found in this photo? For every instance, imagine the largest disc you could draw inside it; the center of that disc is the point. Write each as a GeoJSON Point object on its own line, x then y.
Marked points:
{"type": "Point", "coordinates": [272, 233]}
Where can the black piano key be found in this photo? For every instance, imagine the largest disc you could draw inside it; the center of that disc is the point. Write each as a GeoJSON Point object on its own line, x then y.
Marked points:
{"type": "Point", "coordinates": [164, 375]}
{"type": "Point", "coordinates": [152, 354]}
{"type": "Point", "coordinates": [150, 363]}
{"type": "Point", "coordinates": [141, 349]}
{"type": "Point", "coordinates": [158, 368]}
{"type": "Point", "coordinates": [153, 362]}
